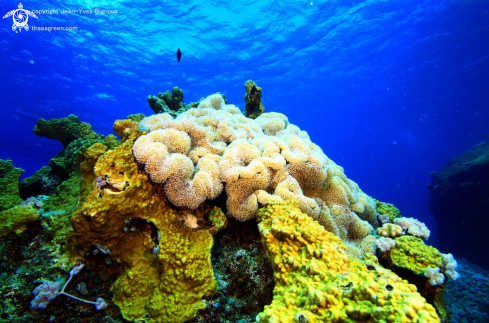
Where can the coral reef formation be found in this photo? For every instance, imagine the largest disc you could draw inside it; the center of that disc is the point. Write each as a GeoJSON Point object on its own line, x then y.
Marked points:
{"type": "Point", "coordinates": [253, 108]}
{"type": "Point", "coordinates": [164, 221]}
{"type": "Point", "coordinates": [244, 276]}
{"type": "Point", "coordinates": [171, 102]}
{"type": "Point", "coordinates": [390, 230]}
{"type": "Point", "coordinates": [413, 227]}
{"type": "Point", "coordinates": [317, 282]}
{"type": "Point", "coordinates": [214, 148]}
{"type": "Point", "coordinates": [458, 201]}
{"type": "Point", "coordinates": [412, 253]}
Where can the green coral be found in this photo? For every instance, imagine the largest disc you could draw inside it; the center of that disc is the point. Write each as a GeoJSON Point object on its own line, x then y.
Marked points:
{"type": "Point", "coordinates": [57, 212]}
{"type": "Point", "coordinates": [9, 184]}
{"type": "Point", "coordinates": [65, 130]}
{"type": "Point", "coordinates": [16, 219]}
{"type": "Point", "coordinates": [316, 281]}
{"type": "Point", "coordinates": [69, 159]}
{"type": "Point", "coordinates": [136, 117]}
{"type": "Point", "coordinates": [218, 218]}
{"type": "Point", "coordinates": [412, 253]}
{"type": "Point", "coordinates": [388, 209]}
{"type": "Point", "coordinates": [164, 278]}
{"type": "Point", "coordinates": [169, 102]}
{"type": "Point", "coordinates": [65, 196]}
{"type": "Point", "coordinates": [76, 137]}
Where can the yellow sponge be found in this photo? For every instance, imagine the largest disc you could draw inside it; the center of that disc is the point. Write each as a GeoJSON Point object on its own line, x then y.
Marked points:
{"type": "Point", "coordinates": [167, 266]}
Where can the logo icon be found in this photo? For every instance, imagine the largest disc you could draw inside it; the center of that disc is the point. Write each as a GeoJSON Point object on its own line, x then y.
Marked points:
{"type": "Point", "coordinates": [20, 17]}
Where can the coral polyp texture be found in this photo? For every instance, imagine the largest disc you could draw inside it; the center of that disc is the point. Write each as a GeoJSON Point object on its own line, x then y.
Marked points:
{"type": "Point", "coordinates": [390, 230]}
{"type": "Point", "coordinates": [214, 148]}
{"type": "Point", "coordinates": [167, 268]}
{"type": "Point", "coordinates": [9, 184]}
{"type": "Point", "coordinates": [316, 281]}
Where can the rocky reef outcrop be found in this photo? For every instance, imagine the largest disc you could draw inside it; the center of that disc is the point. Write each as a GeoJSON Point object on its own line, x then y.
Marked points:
{"type": "Point", "coordinates": [459, 200]}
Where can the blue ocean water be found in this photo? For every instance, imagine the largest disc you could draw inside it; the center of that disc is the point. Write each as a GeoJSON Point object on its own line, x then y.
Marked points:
{"type": "Point", "coordinates": [389, 90]}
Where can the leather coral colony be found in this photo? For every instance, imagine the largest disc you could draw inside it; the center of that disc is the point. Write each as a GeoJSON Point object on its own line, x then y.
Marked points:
{"type": "Point", "coordinates": [214, 147]}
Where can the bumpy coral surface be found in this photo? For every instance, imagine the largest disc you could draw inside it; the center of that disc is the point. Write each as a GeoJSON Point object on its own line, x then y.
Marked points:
{"type": "Point", "coordinates": [387, 209]}
{"type": "Point", "coordinates": [413, 227]}
{"type": "Point", "coordinates": [214, 148]}
{"type": "Point", "coordinates": [167, 267]}
{"type": "Point", "coordinates": [390, 230]}
{"type": "Point", "coordinates": [9, 184]}
{"type": "Point", "coordinates": [385, 244]}
{"type": "Point", "coordinates": [412, 253]}
{"type": "Point", "coordinates": [169, 102]}
{"type": "Point", "coordinates": [317, 282]}
{"type": "Point", "coordinates": [65, 130]}
{"type": "Point", "coordinates": [16, 219]}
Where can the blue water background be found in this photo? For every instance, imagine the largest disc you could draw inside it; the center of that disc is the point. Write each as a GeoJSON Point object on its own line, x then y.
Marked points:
{"type": "Point", "coordinates": [390, 90]}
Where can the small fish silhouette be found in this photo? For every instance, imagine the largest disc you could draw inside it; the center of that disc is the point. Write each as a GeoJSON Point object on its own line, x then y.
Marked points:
{"type": "Point", "coordinates": [179, 55]}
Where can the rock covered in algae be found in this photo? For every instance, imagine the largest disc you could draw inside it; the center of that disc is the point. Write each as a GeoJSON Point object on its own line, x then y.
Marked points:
{"type": "Point", "coordinates": [65, 130]}
{"type": "Point", "coordinates": [9, 184]}
{"type": "Point", "coordinates": [76, 137]}
{"type": "Point", "coordinates": [254, 107]}
{"type": "Point", "coordinates": [317, 282]}
{"type": "Point", "coordinates": [167, 268]}
{"type": "Point", "coordinates": [16, 219]}
{"type": "Point", "coordinates": [169, 102]}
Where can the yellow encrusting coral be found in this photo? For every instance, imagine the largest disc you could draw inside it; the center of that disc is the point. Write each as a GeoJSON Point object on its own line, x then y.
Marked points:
{"type": "Point", "coordinates": [317, 282]}
{"type": "Point", "coordinates": [413, 254]}
{"type": "Point", "coordinates": [388, 209]}
{"type": "Point", "coordinates": [164, 278]}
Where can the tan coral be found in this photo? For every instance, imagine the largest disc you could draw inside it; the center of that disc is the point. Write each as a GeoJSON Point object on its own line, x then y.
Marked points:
{"type": "Point", "coordinates": [289, 189]}
{"type": "Point", "coordinates": [152, 122]}
{"type": "Point", "coordinates": [390, 230]}
{"type": "Point", "coordinates": [272, 123]}
{"type": "Point", "coordinates": [214, 101]}
{"type": "Point", "coordinates": [163, 153]}
{"type": "Point", "coordinates": [257, 160]}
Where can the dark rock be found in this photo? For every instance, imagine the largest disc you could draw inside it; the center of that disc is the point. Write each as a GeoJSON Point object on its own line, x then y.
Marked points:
{"type": "Point", "coordinates": [254, 107]}
{"type": "Point", "coordinates": [459, 200]}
